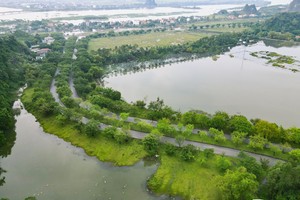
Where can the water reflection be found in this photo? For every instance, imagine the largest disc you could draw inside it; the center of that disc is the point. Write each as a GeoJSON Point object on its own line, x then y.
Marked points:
{"type": "Point", "coordinates": [2, 178]}
{"type": "Point", "coordinates": [280, 43]}
{"type": "Point", "coordinates": [5, 150]}
{"type": "Point", "coordinates": [46, 167]}
{"type": "Point", "coordinates": [236, 83]}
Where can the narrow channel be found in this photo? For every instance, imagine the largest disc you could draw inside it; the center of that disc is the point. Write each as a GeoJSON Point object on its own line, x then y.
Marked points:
{"type": "Point", "coordinates": [45, 166]}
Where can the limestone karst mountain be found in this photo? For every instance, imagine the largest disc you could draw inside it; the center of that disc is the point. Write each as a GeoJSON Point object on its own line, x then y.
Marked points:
{"type": "Point", "coordinates": [294, 6]}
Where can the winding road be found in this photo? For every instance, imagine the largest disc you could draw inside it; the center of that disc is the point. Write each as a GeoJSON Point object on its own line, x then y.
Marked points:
{"type": "Point", "coordinates": [140, 135]}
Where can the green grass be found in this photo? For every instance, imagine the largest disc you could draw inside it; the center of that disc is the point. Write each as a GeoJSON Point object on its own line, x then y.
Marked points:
{"type": "Point", "coordinates": [191, 180]}
{"type": "Point", "coordinates": [147, 40]}
{"type": "Point", "coordinates": [100, 147]}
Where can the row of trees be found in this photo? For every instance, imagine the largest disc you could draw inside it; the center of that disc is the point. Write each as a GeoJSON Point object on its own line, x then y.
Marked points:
{"type": "Point", "coordinates": [240, 125]}
{"type": "Point", "coordinates": [12, 56]}
{"type": "Point", "coordinates": [218, 25]}
{"type": "Point", "coordinates": [207, 46]}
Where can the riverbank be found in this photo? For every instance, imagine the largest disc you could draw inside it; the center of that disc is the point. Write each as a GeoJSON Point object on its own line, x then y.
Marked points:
{"type": "Point", "coordinates": [106, 150]}
{"type": "Point", "coordinates": [176, 176]}
{"type": "Point", "coordinates": [100, 147]}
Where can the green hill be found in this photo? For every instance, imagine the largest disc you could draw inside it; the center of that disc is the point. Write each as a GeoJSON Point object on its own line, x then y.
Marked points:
{"type": "Point", "coordinates": [284, 23]}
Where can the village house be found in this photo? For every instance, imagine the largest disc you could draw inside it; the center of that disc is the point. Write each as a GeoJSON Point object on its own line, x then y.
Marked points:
{"type": "Point", "coordinates": [48, 40]}
{"type": "Point", "coordinates": [40, 53]}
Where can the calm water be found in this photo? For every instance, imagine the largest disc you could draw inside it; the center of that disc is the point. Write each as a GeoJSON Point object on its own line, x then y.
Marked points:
{"type": "Point", "coordinates": [45, 166]}
{"type": "Point", "coordinates": [249, 86]}
{"type": "Point", "coordinates": [122, 15]}
{"type": "Point", "coordinates": [117, 15]}
{"type": "Point", "coordinates": [10, 13]}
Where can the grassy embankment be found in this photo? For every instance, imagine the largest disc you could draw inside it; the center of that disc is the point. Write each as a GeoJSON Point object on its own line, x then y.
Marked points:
{"type": "Point", "coordinates": [102, 148]}
{"type": "Point", "coordinates": [191, 180]}
{"type": "Point", "coordinates": [174, 176]}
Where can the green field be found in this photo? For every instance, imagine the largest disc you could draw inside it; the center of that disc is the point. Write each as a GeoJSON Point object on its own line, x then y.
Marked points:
{"type": "Point", "coordinates": [147, 40]}
{"type": "Point", "coordinates": [191, 180]}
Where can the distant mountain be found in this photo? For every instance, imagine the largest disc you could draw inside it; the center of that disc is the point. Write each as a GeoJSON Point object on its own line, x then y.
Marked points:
{"type": "Point", "coordinates": [150, 3]}
{"type": "Point", "coordinates": [288, 22]}
{"type": "Point", "coordinates": [294, 6]}
{"type": "Point", "coordinates": [250, 9]}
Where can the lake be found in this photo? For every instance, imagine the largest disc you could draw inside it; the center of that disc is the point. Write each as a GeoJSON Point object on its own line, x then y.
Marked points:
{"type": "Point", "coordinates": [45, 166]}
{"type": "Point", "coordinates": [238, 85]}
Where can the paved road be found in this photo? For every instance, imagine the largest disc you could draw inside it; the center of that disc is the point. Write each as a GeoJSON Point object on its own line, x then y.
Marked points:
{"type": "Point", "coordinates": [217, 149]}
{"type": "Point", "coordinates": [53, 89]}
{"type": "Point", "coordinates": [72, 88]}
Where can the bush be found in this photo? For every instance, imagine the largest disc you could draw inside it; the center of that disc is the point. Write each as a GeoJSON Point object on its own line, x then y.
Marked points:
{"type": "Point", "coordinates": [170, 149]}
{"type": "Point", "coordinates": [208, 153]}
{"type": "Point", "coordinates": [109, 132]}
{"type": "Point", "coordinates": [143, 127]}
{"type": "Point", "coordinates": [223, 163]}
{"type": "Point", "coordinates": [92, 128]}
{"type": "Point", "coordinates": [151, 144]}
{"type": "Point", "coordinates": [188, 153]}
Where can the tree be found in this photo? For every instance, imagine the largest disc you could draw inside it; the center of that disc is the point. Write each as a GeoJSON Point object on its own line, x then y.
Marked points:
{"type": "Point", "coordinates": [109, 132]}
{"type": "Point", "coordinates": [158, 110]}
{"type": "Point", "coordinates": [151, 144]}
{"type": "Point", "coordinates": [220, 121]}
{"type": "Point", "coordinates": [140, 104]}
{"type": "Point", "coordinates": [295, 156]}
{"type": "Point", "coordinates": [267, 130]}
{"type": "Point", "coordinates": [223, 163]}
{"type": "Point", "coordinates": [251, 165]}
{"type": "Point", "coordinates": [96, 72]}
{"type": "Point", "coordinates": [92, 128]}
{"type": "Point", "coordinates": [188, 130]}
{"type": "Point", "coordinates": [202, 134]}
{"type": "Point", "coordinates": [188, 153]}
{"type": "Point", "coordinates": [69, 102]}
{"type": "Point", "coordinates": [217, 135]}
{"type": "Point", "coordinates": [275, 149]}
{"type": "Point", "coordinates": [124, 117]}
{"type": "Point", "coordinates": [257, 142]}
{"type": "Point", "coordinates": [282, 182]}
{"type": "Point", "coordinates": [293, 135]}
{"type": "Point", "coordinates": [165, 127]}
{"type": "Point", "coordinates": [240, 123]}
{"type": "Point", "coordinates": [238, 137]}
{"type": "Point", "coordinates": [180, 140]}
{"type": "Point", "coordinates": [121, 136]}
{"type": "Point", "coordinates": [144, 127]}
{"type": "Point", "coordinates": [198, 120]}
{"type": "Point", "coordinates": [208, 153]}
{"type": "Point", "coordinates": [238, 184]}
{"type": "Point", "coordinates": [170, 149]}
